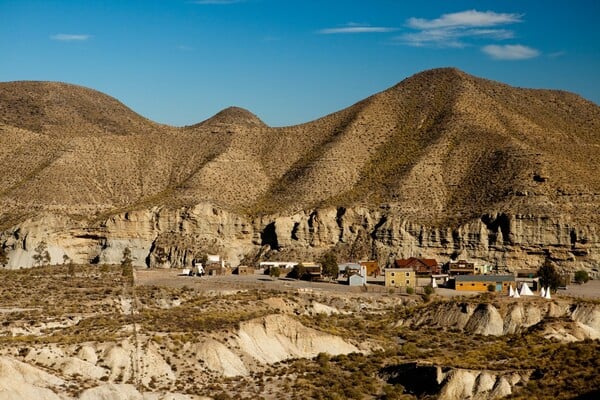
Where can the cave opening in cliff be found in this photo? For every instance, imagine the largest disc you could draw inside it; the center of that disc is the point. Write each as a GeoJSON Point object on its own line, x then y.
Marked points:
{"type": "Point", "coordinates": [269, 237]}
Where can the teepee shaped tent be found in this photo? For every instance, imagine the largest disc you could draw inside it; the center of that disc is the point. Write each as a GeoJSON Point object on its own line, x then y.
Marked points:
{"type": "Point", "coordinates": [547, 295]}
{"type": "Point", "coordinates": [516, 295]}
{"type": "Point", "coordinates": [511, 292]}
{"type": "Point", "coordinates": [542, 292]}
{"type": "Point", "coordinates": [525, 291]}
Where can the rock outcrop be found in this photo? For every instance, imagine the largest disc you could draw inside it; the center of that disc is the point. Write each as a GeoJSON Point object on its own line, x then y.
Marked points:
{"type": "Point", "coordinates": [279, 337]}
{"type": "Point", "coordinates": [454, 383]}
{"type": "Point", "coordinates": [515, 316]}
{"type": "Point", "coordinates": [21, 381]}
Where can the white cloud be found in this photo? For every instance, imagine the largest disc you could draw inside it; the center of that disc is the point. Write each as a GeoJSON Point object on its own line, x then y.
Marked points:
{"type": "Point", "coordinates": [353, 27]}
{"type": "Point", "coordinates": [510, 52]}
{"type": "Point", "coordinates": [451, 37]}
{"type": "Point", "coordinates": [453, 30]}
{"type": "Point", "coordinates": [67, 37]}
{"type": "Point", "coordinates": [469, 18]}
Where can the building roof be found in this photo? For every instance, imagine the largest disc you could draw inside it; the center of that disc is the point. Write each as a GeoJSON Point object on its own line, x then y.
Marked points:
{"type": "Point", "coordinates": [400, 269]}
{"type": "Point", "coordinates": [485, 278]}
{"type": "Point", "coordinates": [403, 263]}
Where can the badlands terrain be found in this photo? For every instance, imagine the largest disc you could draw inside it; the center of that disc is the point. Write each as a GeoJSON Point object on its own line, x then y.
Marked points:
{"type": "Point", "coordinates": [442, 165]}
{"type": "Point", "coordinates": [95, 333]}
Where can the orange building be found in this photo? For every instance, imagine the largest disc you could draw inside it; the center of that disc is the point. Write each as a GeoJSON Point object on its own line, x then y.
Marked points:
{"type": "Point", "coordinates": [372, 268]}
{"type": "Point", "coordinates": [481, 283]}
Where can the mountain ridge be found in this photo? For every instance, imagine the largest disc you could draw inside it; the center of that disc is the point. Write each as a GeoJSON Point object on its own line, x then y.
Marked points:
{"type": "Point", "coordinates": [441, 165]}
{"type": "Point", "coordinates": [468, 144]}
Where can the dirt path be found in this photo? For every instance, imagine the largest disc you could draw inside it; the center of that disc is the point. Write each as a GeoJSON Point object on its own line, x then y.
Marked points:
{"type": "Point", "coordinates": [587, 290]}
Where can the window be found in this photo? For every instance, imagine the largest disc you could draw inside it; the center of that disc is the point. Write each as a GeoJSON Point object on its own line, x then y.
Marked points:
{"type": "Point", "coordinates": [408, 282]}
{"type": "Point", "coordinates": [392, 273]}
{"type": "Point", "coordinates": [407, 274]}
{"type": "Point", "coordinates": [393, 282]}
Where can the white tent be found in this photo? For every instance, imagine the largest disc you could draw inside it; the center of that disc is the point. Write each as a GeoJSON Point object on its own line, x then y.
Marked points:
{"type": "Point", "coordinates": [525, 291]}
{"type": "Point", "coordinates": [547, 295]}
{"type": "Point", "coordinates": [516, 295]}
{"type": "Point", "coordinates": [542, 292]}
{"type": "Point", "coordinates": [511, 291]}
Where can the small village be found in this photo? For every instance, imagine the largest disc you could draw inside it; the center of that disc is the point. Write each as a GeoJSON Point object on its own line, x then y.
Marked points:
{"type": "Point", "coordinates": [408, 276]}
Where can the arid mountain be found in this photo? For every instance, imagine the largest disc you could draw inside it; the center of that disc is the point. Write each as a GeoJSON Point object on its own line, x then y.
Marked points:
{"type": "Point", "coordinates": [440, 149]}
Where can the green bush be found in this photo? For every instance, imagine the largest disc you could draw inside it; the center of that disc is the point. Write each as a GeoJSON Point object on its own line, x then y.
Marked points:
{"type": "Point", "coordinates": [274, 272]}
{"type": "Point", "coordinates": [297, 272]}
{"type": "Point", "coordinates": [410, 290]}
{"type": "Point", "coordinates": [581, 277]}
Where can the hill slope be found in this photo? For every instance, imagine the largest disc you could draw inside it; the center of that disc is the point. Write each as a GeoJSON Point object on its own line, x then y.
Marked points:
{"type": "Point", "coordinates": [438, 145]}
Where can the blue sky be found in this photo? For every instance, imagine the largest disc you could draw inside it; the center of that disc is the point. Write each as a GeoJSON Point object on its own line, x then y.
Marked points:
{"type": "Point", "coordinates": [181, 61]}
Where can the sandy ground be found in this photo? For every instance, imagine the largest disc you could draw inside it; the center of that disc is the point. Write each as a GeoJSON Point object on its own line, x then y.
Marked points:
{"type": "Point", "coordinates": [587, 290]}
{"type": "Point", "coordinates": [226, 283]}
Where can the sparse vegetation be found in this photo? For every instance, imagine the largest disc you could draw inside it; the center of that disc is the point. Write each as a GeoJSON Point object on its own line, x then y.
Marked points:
{"type": "Point", "coordinates": [42, 256]}
{"type": "Point", "coordinates": [174, 318]}
{"type": "Point", "coordinates": [3, 257]}
{"type": "Point", "coordinates": [581, 277]}
{"type": "Point", "coordinates": [274, 272]}
{"type": "Point", "coordinates": [127, 265]}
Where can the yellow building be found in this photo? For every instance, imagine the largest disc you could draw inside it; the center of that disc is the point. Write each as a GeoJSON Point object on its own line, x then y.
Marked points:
{"type": "Point", "coordinates": [400, 277]}
{"type": "Point", "coordinates": [481, 283]}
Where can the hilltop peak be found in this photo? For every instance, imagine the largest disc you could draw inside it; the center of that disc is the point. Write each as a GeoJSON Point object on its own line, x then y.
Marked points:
{"type": "Point", "coordinates": [234, 116]}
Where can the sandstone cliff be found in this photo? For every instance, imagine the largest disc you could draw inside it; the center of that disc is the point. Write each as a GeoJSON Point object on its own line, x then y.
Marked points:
{"type": "Point", "coordinates": [167, 237]}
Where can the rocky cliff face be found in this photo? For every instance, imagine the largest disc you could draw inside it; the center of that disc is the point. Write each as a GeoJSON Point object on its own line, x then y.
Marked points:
{"type": "Point", "coordinates": [168, 237]}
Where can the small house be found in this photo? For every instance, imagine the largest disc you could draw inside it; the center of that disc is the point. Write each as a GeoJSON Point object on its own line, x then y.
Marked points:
{"type": "Point", "coordinates": [243, 270]}
{"type": "Point", "coordinates": [285, 267]}
{"type": "Point", "coordinates": [357, 280]}
{"type": "Point", "coordinates": [421, 266]}
{"type": "Point", "coordinates": [460, 267]}
{"type": "Point", "coordinates": [217, 269]}
{"type": "Point", "coordinates": [312, 271]}
{"type": "Point", "coordinates": [528, 273]}
{"type": "Point", "coordinates": [483, 283]}
{"type": "Point", "coordinates": [400, 277]}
